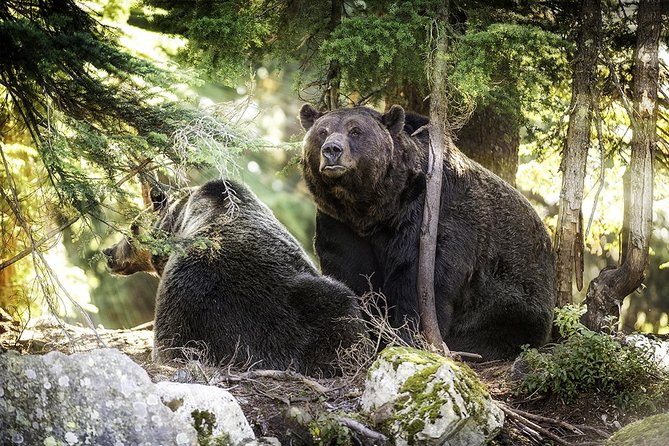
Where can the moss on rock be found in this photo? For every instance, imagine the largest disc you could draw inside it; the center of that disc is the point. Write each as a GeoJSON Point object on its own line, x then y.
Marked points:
{"type": "Point", "coordinates": [650, 431]}
{"type": "Point", "coordinates": [434, 399]}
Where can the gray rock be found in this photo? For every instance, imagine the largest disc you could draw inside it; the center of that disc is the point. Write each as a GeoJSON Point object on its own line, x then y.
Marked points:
{"type": "Point", "coordinates": [425, 399]}
{"type": "Point", "coordinates": [656, 349]}
{"type": "Point", "coordinates": [99, 397]}
{"type": "Point", "coordinates": [214, 410]}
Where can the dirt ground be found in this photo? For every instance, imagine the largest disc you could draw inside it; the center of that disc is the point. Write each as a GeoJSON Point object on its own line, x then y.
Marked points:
{"type": "Point", "coordinates": [280, 404]}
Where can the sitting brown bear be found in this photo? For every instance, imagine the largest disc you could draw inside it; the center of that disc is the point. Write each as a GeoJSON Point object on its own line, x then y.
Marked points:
{"type": "Point", "coordinates": [254, 295]}
{"type": "Point", "coordinates": [494, 268]}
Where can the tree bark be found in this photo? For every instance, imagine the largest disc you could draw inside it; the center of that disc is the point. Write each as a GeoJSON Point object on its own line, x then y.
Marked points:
{"type": "Point", "coordinates": [492, 138]}
{"type": "Point", "coordinates": [440, 140]}
{"type": "Point", "coordinates": [410, 96]}
{"type": "Point", "coordinates": [333, 76]}
{"type": "Point", "coordinates": [569, 234]}
{"type": "Point", "coordinates": [608, 290]}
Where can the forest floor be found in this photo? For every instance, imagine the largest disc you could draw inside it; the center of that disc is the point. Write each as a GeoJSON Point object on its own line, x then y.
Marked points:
{"type": "Point", "coordinates": [279, 404]}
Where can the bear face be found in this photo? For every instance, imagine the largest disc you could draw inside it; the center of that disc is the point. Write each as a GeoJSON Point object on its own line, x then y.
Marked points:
{"type": "Point", "coordinates": [344, 138]}
{"type": "Point", "coordinates": [360, 165]}
{"type": "Point", "coordinates": [126, 258]}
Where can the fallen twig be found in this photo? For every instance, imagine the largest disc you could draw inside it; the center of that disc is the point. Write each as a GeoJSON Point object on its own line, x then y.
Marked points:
{"type": "Point", "coordinates": [575, 428]}
{"type": "Point", "coordinates": [525, 423]}
{"type": "Point", "coordinates": [468, 355]}
{"type": "Point", "coordinates": [286, 375]}
{"type": "Point", "coordinates": [144, 326]}
{"type": "Point", "coordinates": [362, 429]}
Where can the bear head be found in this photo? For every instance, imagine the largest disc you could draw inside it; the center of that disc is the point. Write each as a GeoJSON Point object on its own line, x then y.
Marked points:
{"type": "Point", "coordinates": [128, 257]}
{"type": "Point", "coordinates": [360, 165]}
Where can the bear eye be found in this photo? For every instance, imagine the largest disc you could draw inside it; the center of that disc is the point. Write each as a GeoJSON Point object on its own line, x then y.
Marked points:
{"type": "Point", "coordinates": [322, 132]}
{"type": "Point", "coordinates": [355, 131]}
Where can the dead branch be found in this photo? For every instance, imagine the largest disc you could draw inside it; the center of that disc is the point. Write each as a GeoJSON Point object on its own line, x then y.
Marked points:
{"type": "Point", "coordinates": [527, 425]}
{"type": "Point", "coordinates": [440, 141]}
{"type": "Point", "coordinates": [286, 375]}
{"type": "Point", "coordinates": [536, 426]}
{"type": "Point", "coordinates": [575, 428]}
{"type": "Point", "coordinates": [362, 429]}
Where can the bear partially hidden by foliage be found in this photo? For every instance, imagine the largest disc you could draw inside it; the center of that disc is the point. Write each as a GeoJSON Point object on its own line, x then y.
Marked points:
{"type": "Point", "coordinates": [494, 270]}
{"type": "Point", "coordinates": [248, 292]}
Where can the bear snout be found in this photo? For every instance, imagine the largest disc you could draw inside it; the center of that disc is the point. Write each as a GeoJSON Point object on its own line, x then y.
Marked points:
{"type": "Point", "coordinates": [334, 159]}
{"type": "Point", "coordinates": [332, 151]}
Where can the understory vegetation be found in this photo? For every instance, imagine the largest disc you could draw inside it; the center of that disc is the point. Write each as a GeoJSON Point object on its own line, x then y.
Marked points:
{"type": "Point", "coordinates": [585, 362]}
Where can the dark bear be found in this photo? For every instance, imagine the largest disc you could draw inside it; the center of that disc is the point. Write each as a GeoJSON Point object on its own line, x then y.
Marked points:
{"type": "Point", "coordinates": [494, 270]}
{"type": "Point", "coordinates": [253, 296]}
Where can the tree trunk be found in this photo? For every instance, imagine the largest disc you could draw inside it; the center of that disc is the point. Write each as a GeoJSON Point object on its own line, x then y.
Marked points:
{"type": "Point", "coordinates": [409, 96]}
{"type": "Point", "coordinates": [569, 234]}
{"type": "Point", "coordinates": [333, 77]}
{"type": "Point", "coordinates": [491, 138]}
{"type": "Point", "coordinates": [608, 290]}
{"type": "Point", "coordinates": [440, 141]}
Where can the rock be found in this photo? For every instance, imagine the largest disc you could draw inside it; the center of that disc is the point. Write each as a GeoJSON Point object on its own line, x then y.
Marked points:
{"type": "Point", "coordinates": [422, 398]}
{"type": "Point", "coordinates": [650, 431]}
{"type": "Point", "coordinates": [216, 413]}
{"type": "Point", "coordinates": [659, 350]}
{"type": "Point", "coordinates": [98, 397]}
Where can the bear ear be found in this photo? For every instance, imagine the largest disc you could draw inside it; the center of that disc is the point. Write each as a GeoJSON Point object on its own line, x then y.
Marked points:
{"type": "Point", "coordinates": [309, 115]}
{"type": "Point", "coordinates": [394, 119]}
{"type": "Point", "coordinates": [158, 197]}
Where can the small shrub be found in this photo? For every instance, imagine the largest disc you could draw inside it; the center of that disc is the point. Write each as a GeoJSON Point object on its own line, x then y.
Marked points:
{"type": "Point", "coordinates": [326, 430]}
{"type": "Point", "coordinates": [587, 361]}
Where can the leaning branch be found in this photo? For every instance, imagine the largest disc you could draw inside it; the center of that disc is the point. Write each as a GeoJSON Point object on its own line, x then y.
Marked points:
{"type": "Point", "coordinates": [439, 141]}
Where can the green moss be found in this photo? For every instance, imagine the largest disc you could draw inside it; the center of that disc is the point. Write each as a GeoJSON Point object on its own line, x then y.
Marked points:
{"type": "Point", "coordinates": [175, 404]}
{"type": "Point", "coordinates": [422, 396]}
{"type": "Point", "coordinates": [472, 390]}
{"type": "Point", "coordinates": [417, 382]}
{"type": "Point", "coordinates": [398, 355]}
{"type": "Point", "coordinates": [650, 431]}
{"type": "Point", "coordinates": [415, 426]}
{"type": "Point", "coordinates": [204, 423]}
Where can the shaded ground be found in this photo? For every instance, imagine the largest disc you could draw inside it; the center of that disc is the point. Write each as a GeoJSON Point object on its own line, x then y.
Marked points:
{"type": "Point", "coordinates": [281, 404]}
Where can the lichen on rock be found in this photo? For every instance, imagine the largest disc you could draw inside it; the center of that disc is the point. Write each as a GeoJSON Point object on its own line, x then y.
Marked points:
{"type": "Point", "coordinates": [433, 400]}
{"type": "Point", "coordinates": [97, 397]}
{"type": "Point", "coordinates": [102, 397]}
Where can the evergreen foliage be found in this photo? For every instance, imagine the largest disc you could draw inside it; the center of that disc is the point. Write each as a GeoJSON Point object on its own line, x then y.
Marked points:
{"type": "Point", "coordinates": [380, 47]}
{"type": "Point", "coordinates": [83, 117]}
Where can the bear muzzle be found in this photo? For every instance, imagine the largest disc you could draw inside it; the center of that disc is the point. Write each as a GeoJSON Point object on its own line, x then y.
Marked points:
{"type": "Point", "coordinates": [332, 158]}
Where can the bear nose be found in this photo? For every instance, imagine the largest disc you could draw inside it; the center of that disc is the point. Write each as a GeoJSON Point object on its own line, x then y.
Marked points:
{"type": "Point", "coordinates": [332, 151]}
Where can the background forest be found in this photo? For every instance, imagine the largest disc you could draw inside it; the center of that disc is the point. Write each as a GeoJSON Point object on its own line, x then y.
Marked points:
{"type": "Point", "coordinates": [95, 93]}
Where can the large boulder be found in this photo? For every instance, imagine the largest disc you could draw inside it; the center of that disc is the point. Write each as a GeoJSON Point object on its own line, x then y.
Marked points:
{"type": "Point", "coordinates": [103, 397]}
{"type": "Point", "coordinates": [422, 398]}
{"type": "Point", "coordinates": [650, 431]}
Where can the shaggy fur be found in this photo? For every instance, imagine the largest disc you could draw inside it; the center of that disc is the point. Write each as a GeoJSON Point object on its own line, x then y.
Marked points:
{"type": "Point", "coordinates": [494, 271]}
{"type": "Point", "coordinates": [257, 292]}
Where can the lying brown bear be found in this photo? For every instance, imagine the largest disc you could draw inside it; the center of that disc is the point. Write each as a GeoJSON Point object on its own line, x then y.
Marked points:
{"type": "Point", "coordinates": [494, 269]}
{"type": "Point", "coordinates": [255, 295]}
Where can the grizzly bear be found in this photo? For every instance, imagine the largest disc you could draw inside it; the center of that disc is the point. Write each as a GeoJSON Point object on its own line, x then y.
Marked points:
{"type": "Point", "coordinates": [494, 267]}
{"type": "Point", "coordinates": [248, 291]}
